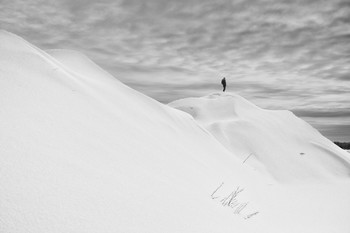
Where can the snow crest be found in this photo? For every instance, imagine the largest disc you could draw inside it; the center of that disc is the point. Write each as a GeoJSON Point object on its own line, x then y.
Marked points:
{"type": "Point", "coordinates": [81, 152]}
{"type": "Point", "coordinates": [275, 142]}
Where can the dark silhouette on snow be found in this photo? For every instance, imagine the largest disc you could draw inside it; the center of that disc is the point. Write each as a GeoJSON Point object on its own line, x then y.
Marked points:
{"type": "Point", "coordinates": [223, 82]}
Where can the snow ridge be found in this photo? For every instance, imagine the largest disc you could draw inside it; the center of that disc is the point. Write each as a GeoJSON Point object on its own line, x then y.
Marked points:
{"type": "Point", "coordinates": [274, 142]}
{"type": "Point", "coordinates": [81, 152]}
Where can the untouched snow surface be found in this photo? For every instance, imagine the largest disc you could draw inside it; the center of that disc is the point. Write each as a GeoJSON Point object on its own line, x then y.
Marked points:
{"type": "Point", "coordinates": [81, 152]}
{"type": "Point", "coordinates": [275, 142]}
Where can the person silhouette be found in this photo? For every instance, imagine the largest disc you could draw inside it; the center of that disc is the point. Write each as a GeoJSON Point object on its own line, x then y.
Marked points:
{"type": "Point", "coordinates": [223, 82]}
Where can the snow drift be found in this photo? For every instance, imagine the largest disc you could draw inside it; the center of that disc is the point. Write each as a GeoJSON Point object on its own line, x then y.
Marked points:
{"type": "Point", "coordinates": [275, 142]}
{"type": "Point", "coordinates": [81, 152]}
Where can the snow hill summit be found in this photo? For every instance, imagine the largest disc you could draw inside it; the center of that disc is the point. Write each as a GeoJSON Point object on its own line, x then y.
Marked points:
{"type": "Point", "coordinates": [274, 142]}
{"type": "Point", "coordinates": [82, 152]}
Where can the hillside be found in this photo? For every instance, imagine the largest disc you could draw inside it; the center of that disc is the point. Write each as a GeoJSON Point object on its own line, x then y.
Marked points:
{"type": "Point", "coordinates": [81, 152]}
{"type": "Point", "coordinates": [272, 141]}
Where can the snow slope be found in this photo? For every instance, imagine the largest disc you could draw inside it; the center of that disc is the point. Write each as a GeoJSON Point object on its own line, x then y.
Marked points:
{"type": "Point", "coordinates": [275, 142]}
{"type": "Point", "coordinates": [81, 152]}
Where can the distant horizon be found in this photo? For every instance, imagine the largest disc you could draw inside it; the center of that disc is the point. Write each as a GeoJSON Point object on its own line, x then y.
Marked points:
{"type": "Point", "coordinates": [329, 131]}
{"type": "Point", "coordinates": [291, 55]}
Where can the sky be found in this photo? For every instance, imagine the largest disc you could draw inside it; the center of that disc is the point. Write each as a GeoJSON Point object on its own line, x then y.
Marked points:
{"type": "Point", "coordinates": [278, 54]}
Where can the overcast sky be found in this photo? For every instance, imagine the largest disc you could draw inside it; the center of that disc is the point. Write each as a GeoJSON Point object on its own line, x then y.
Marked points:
{"type": "Point", "coordinates": [279, 54]}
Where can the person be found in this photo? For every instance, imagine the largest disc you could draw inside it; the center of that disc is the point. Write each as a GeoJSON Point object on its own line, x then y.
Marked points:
{"type": "Point", "coordinates": [223, 82]}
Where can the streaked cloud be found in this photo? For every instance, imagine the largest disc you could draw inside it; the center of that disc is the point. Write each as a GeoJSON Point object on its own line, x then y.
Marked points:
{"type": "Point", "coordinates": [279, 54]}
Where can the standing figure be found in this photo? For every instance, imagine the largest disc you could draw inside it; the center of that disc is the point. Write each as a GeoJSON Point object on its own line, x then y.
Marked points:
{"type": "Point", "coordinates": [223, 82]}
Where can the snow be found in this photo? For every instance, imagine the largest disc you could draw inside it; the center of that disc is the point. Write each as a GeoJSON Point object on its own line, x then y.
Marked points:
{"type": "Point", "coordinates": [82, 152]}
{"type": "Point", "coordinates": [275, 142]}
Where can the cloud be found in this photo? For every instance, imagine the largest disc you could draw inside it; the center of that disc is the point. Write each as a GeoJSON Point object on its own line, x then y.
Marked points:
{"type": "Point", "coordinates": [345, 77]}
{"type": "Point", "coordinates": [335, 132]}
{"type": "Point", "coordinates": [322, 113]}
{"type": "Point", "coordinates": [278, 54]}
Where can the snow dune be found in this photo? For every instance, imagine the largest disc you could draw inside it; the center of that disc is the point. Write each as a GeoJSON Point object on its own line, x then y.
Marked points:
{"type": "Point", "coordinates": [81, 152]}
{"type": "Point", "coordinates": [273, 141]}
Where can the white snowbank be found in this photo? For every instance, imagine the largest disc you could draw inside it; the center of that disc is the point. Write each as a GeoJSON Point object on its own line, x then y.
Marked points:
{"type": "Point", "coordinates": [81, 152]}
{"type": "Point", "coordinates": [274, 142]}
